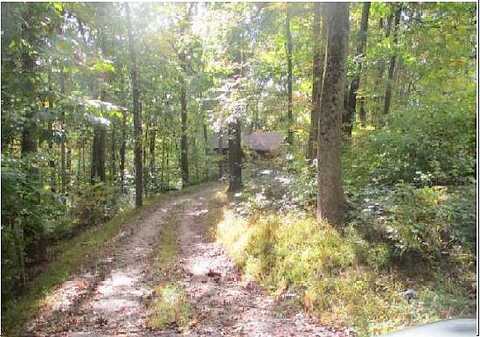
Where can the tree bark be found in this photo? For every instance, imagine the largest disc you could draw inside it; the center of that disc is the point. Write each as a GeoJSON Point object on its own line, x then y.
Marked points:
{"type": "Point", "coordinates": [123, 148]}
{"type": "Point", "coordinates": [113, 166]}
{"type": "Point", "coordinates": [391, 68]}
{"type": "Point", "coordinates": [98, 154]}
{"type": "Point", "coordinates": [319, 32]}
{"type": "Point", "coordinates": [355, 84]}
{"type": "Point", "coordinates": [184, 165]}
{"type": "Point", "coordinates": [51, 161]}
{"type": "Point", "coordinates": [330, 198]}
{"type": "Point", "coordinates": [63, 151]}
{"type": "Point", "coordinates": [289, 47]}
{"type": "Point", "coordinates": [205, 140]}
{"type": "Point", "coordinates": [137, 115]}
{"type": "Point", "coordinates": [152, 146]}
{"type": "Point", "coordinates": [146, 177]}
{"type": "Point", "coordinates": [235, 155]}
{"type": "Point", "coordinates": [183, 139]}
{"type": "Point", "coordinates": [30, 131]}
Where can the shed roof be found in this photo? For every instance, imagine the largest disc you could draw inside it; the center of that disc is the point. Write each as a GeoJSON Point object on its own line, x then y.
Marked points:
{"type": "Point", "coordinates": [258, 141]}
{"type": "Point", "coordinates": [264, 141]}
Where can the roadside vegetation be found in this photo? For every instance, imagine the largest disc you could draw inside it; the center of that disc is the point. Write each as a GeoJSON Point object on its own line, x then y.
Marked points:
{"type": "Point", "coordinates": [406, 253]}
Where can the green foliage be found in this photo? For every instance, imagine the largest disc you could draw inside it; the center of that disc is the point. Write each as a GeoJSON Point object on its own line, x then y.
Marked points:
{"type": "Point", "coordinates": [417, 148]}
{"type": "Point", "coordinates": [430, 223]}
{"type": "Point", "coordinates": [170, 307]}
{"type": "Point", "coordinates": [95, 204]}
{"type": "Point", "coordinates": [340, 277]}
{"type": "Point", "coordinates": [31, 214]}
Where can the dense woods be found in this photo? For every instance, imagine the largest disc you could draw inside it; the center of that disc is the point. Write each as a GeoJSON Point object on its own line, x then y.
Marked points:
{"type": "Point", "coordinates": [105, 105]}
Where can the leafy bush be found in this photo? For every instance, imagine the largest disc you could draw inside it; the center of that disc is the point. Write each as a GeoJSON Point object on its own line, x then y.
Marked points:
{"type": "Point", "coordinates": [423, 145]}
{"type": "Point", "coordinates": [341, 278]}
{"type": "Point", "coordinates": [31, 214]}
{"type": "Point", "coordinates": [432, 223]}
{"type": "Point", "coordinates": [95, 204]}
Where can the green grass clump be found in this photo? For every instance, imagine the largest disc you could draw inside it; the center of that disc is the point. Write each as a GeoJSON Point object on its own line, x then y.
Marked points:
{"type": "Point", "coordinates": [166, 252]}
{"type": "Point", "coordinates": [337, 275]}
{"type": "Point", "coordinates": [169, 307]}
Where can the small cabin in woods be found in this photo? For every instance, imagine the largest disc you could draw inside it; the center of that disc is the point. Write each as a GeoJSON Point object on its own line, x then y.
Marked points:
{"type": "Point", "coordinates": [267, 144]}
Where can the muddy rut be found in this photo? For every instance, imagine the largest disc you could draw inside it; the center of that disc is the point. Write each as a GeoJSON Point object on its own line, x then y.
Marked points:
{"type": "Point", "coordinates": [110, 299]}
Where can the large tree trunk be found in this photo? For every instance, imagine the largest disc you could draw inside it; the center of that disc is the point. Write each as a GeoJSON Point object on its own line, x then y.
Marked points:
{"type": "Point", "coordinates": [183, 139]}
{"type": "Point", "coordinates": [235, 155]}
{"type": "Point", "coordinates": [289, 48]}
{"type": "Point", "coordinates": [205, 140]}
{"type": "Point", "coordinates": [378, 85]}
{"type": "Point", "coordinates": [391, 68]}
{"type": "Point", "coordinates": [98, 154]}
{"type": "Point", "coordinates": [330, 198]}
{"type": "Point", "coordinates": [355, 84]}
{"type": "Point", "coordinates": [123, 147]}
{"type": "Point", "coordinates": [63, 150]}
{"type": "Point", "coordinates": [113, 167]}
{"type": "Point", "coordinates": [137, 115]}
{"type": "Point", "coordinates": [153, 140]}
{"type": "Point", "coordinates": [29, 132]}
{"type": "Point", "coordinates": [69, 168]}
{"type": "Point", "coordinates": [319, 32]}
{"type": "Point", "coordinates": [184, 167]}
{"type": "Point", "coordinates": [51, 161]}
{"type": "Point", "coordinates": [146, 178]}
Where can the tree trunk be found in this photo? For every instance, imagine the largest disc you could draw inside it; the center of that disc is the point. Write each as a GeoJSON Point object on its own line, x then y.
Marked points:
{"type": "Point", "coordinates": [63, 153]}
{"type": "Point", "coordinates": [51, 161]}
{"type": "Point", "coordinates": [137, 115]}
{"type": "Point", "coordinates": [29, 132]}
{"type": "Point", "coordinates": [319, 32]}
{"type": "Point", "coordinates": [123, 148]}
{"type": "Point", "coordinates": [221, 163]}
{"type": "Point", "coordinates": [113, 167]}
{"type": "Point", "coordinates": [69, 168]}
{"type": "Point", "coordinates": [363, 113]}
{"type": "Point", "coordinates": [153, 139]}
{"type": "Point", "coordinates": [289, 48]}
{"type": "Point", "coordinates": [391, 68]}
{"type": "Point", "coordinates": [146, 178]}
{"type": "Point", "coordinates": [183, 140]}
{"type": "Point", "coordinates": [235, 155]}
{"type": "Point", "coordinates": [381, 71]}
{"type": "Point", "coordinates": [98, 154]}
{"type": "Point", "coordinates": [355, 84]}
{"type": "Point", "coordinates": [330, 198]}
{"type": "Point", "coordinates": [84, 165]}
{"type": "Point", "coordinates": [162, 172]}
{"type": "Point", "coordinates": [205, 139]}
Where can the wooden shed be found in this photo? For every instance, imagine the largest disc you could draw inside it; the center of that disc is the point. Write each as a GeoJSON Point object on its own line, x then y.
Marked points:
{"type": "Point", "coordinates": [265, 143]}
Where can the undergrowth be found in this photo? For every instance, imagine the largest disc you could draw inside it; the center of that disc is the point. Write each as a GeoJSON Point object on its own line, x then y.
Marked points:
{"type": "Point", "coordinates": [339, 277]}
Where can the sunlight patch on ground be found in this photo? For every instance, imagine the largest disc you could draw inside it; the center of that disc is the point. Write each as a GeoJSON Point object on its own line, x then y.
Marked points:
{"type": "Point", "coordinates": [64, 297]}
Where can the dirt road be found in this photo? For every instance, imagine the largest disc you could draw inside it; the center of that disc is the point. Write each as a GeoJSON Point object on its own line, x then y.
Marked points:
{"type": "Point", "coordinates": [112, 298]}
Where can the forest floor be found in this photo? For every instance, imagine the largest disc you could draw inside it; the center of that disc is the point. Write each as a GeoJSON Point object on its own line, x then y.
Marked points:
{"type": "Point", "coordinates": [118, 295]}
